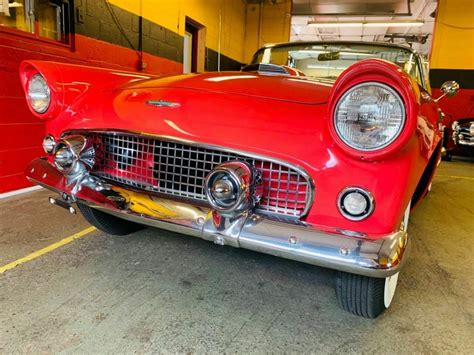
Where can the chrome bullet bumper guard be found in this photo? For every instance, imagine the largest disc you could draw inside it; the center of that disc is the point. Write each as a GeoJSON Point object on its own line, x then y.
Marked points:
{"type": "Point", "coordinates": [302, 242]}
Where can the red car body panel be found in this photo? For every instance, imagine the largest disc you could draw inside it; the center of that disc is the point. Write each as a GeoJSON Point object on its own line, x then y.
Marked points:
{"type": "Point", "coordinates": [277, 116]}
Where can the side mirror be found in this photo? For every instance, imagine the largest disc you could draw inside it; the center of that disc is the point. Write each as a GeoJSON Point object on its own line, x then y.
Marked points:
{"type": "Point", "coordinates": [449, 88]}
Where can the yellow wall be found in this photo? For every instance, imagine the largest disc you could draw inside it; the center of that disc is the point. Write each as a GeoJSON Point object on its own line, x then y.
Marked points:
{"type": "Point", "coordinates": [245, 28]}
{"type": "Point", "coordinates": [267, 23]}
{"type": "Point", "coordinates": [172, 15]}
{"type": "Point", "coordinates": [453, 41]}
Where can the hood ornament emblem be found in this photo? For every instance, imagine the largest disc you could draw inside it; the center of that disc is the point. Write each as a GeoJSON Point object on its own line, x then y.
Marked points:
{"type": "Point", "coordinates": [162, 103]}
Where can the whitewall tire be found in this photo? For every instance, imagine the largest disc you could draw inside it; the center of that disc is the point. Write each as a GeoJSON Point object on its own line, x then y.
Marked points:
{"type": "Point", "coordinates": [368, 296]}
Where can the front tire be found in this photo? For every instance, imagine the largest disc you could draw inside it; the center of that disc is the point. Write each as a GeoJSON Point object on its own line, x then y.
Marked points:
{"type": "Point", "coordinates": [108, 223]}
{"type": "Point", "coordinates": [368, 296]}
{"type": "Point", "coordinates": [360, 295]}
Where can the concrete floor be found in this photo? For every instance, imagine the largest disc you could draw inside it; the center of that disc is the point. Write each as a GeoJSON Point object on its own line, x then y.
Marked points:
{"type": "Point", "coordinates": [158, 291]}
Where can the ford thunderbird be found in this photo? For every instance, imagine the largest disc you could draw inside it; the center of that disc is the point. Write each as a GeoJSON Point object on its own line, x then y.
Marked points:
{"type": "Point", "coordinates": [314, 152]}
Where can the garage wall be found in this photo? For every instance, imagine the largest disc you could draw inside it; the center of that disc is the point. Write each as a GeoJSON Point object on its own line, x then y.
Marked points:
{"type": "Point", "coordinates": [452, 56]}
{"type": "Point", "coordinates": [453, 35]}
{"type": "Point", "coordinates": [268, 22]}
{"type": "Point", "coordinates": [164, 27]}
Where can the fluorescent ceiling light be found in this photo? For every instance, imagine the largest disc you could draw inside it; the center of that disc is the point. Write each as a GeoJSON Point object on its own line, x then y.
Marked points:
{"type": "Point", "coordinates": [335, 24]}
{"type": "Point", "coordinates": [394, 24]}
{"type": "Point", "coordinates": [366, 24]}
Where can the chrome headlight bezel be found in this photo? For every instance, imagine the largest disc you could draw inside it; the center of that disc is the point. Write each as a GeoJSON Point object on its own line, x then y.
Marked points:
{"type": "Point", "coordinates": [351, 144]}
{"type": "Point", "coordinates": [74, 153]}
{"type": "Point", "coordinates": [64, 157]}
{"type": "Point", "coordinates": [244, 184]}
{"type": "Point", "coordinates": [43, 90]}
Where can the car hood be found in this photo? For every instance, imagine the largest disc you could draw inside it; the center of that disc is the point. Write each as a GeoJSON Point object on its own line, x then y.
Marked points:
{"type": "Point", "coordinates": [276, 87]}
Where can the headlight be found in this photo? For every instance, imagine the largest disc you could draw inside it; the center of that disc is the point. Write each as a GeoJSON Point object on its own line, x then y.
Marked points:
{"type": "Point", "coordinates": [39, 95]}
{"type": "Point", "coordinates": [369, 116]}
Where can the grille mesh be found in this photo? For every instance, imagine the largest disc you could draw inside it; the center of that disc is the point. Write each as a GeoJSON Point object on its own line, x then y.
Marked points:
{"type": "Point", "coordinates": [180, 169]}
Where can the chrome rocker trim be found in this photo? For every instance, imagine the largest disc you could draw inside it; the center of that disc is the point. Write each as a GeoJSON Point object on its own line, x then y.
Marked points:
{"type": "Point", "coordinates": [302, 242]}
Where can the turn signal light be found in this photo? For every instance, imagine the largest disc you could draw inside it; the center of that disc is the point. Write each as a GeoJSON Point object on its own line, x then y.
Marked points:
{"type": "Point", "coordinates": [355, 203]}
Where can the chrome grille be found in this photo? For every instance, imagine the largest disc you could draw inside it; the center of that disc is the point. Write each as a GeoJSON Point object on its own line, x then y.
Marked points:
{"type": "Point", "coordinates": [179, 169]}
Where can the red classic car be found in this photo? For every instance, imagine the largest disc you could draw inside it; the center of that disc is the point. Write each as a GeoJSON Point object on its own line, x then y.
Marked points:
{"type": "Point", "coordinates": [314, 152]}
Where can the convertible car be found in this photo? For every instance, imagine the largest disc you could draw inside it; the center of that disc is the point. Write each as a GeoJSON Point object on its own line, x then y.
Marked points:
{"type": "Point", "coordinates": [314, 152]}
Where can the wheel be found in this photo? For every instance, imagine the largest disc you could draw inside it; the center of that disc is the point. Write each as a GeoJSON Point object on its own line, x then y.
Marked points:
{"type": "Point", "coordinates": [368, 296]}
{"type": "Point", "coordinates": [360, 295]}
{"type": "Point", "coordinates": [447, 157]}
{"type": "Point", "coordinates": [108, 223]}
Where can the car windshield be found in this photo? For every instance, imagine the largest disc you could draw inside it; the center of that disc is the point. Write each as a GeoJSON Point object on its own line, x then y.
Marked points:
{"type": "Point", "coordinates": [328, 60]}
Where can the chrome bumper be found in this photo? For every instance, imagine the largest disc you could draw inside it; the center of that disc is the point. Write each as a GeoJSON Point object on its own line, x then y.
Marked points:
{"type": "Point", "coordinates": [297, 241]}
{"type": "Point", "coordinates": [463, 133]}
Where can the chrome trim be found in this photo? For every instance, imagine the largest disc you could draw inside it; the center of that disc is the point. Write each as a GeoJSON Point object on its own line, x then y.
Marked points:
{"type": "Point", "coordinates": [463, 133]}
{"type": "Point", "coordinates": [311, 188]}
{"type": "Point", "coordinates": [449, 89]}
{"type": "Point", "coordinates": [244, 180]}
{"type": "Point", "coordinates": [370, 83]}
{"type": "Point", "coordinates": [53, 142]}
{"type": "Point", "coordinates": [380, 258]}
{"type": "Point", "coordinates": [81, 149]}
{"type": "Point", "coordinates": [369, 197]}
{"type": "Point", "coordinates": [161, 103]}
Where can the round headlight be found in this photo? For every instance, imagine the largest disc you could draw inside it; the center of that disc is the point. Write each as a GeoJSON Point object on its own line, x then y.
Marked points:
{"type": "Point", "coordinates": [355, 203]}
{"type": "Point", "coordinates": [39, 95]}
{"type": "Point", "coordinates": [369, 116]}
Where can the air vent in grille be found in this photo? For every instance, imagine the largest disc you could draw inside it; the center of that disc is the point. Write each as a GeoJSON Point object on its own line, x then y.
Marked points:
{"type": "Point", "coordinates": [179, 169]}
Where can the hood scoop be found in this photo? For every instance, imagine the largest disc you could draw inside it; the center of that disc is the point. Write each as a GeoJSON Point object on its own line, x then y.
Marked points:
{"type": "Point", "coordinates": [266, 69]}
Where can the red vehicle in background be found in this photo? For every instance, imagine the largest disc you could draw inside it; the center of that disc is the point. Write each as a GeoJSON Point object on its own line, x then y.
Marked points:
{"type": "Point", "coordinates": [459, 121]}
{"type": "Point", "coordinates": [314, 152]}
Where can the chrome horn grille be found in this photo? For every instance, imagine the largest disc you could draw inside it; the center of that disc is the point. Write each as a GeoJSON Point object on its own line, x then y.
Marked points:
{"type": "Point", "coordinates": [179, 169]}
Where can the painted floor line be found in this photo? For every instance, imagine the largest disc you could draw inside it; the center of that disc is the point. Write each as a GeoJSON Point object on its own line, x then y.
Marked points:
{"type": "Point", "coordinates": [456, 177]}
{"type": "Point", "coordinates": [47, 249]}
